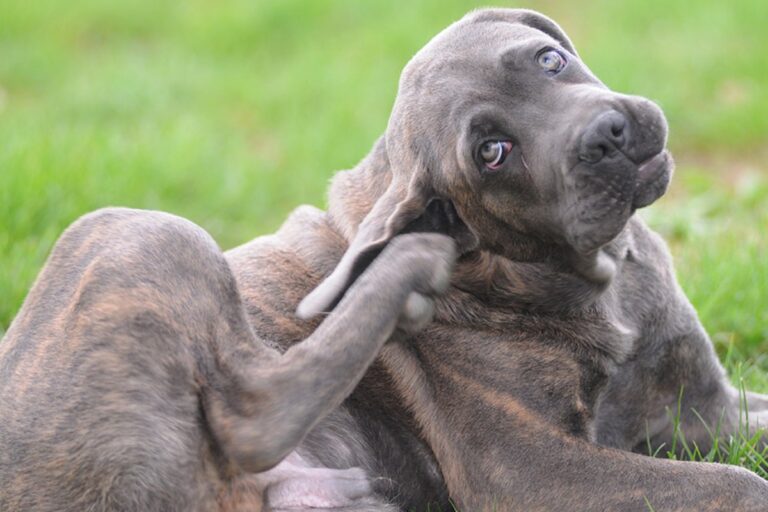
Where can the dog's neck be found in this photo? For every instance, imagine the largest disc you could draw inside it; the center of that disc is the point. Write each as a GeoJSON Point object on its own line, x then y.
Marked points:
{"type": "Point", "coordinates": [537, 278]}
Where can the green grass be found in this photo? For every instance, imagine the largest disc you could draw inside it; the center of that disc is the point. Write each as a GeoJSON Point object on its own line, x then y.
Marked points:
{"type": "Point", "coordinates": [742, 448]}
{"type": "Point", "coordinates": [717, 232]}
{"type": "Point", "coordinates": [231, 113]}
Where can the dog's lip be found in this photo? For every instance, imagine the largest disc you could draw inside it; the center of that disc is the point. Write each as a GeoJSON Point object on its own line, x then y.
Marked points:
{"type": "Point", "coordinates": [653, 178]}
{"type": "Point", "coordinates": [652, 164]}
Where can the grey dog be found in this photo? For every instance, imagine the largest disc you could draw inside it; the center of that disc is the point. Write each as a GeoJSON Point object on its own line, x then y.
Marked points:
{"type": "Point", "coordinates": [140, 375]}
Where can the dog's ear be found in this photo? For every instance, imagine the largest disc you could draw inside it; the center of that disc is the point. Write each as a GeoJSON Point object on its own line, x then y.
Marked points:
{"type": "Point", "coordinates": [414, 200]}
{"type": "Point", "coordinates": [526, 17]}
{"type": "Point", "coordinates": [400, 204]}
{"type": "Point", "coordinates": [406, 207]}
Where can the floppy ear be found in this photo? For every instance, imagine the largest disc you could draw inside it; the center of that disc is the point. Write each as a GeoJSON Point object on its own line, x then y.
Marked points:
{"type": "Point", "coordinates": [404, 208]}
{"type": "Point", "coordinates": [401, 203]}
{"type": "Point", "coordinates": [526, 17]}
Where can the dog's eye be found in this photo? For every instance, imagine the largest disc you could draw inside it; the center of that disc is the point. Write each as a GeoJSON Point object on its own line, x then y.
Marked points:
{"type": "Point", "coordinates": [494, 152]}
{"type": "Point", "coordinates": [551, 60]}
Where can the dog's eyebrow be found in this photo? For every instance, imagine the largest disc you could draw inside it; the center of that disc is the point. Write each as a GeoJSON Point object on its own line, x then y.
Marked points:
{"type": "Point", "coordinates": [518, 54]}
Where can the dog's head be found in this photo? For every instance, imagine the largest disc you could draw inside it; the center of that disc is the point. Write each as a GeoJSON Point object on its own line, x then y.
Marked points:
{"type": "Point", "coordinates": [499, 117]}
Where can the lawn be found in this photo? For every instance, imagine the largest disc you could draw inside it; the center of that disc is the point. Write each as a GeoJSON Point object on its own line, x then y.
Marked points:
{"type": "Point", "coordinates": [232, 113]}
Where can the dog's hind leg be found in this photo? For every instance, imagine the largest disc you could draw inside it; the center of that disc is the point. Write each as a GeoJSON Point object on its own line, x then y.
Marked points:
{"type": "Point", "coordinates": [131, 380]}
{"type": "Point", "coordinates": [260, 412]}
{"type": "Point", "coordinates": [100, 371]}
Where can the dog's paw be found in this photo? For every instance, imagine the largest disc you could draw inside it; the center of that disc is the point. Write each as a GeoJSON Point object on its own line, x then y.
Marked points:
{"type": "Point", "coordinates": [424, 262]}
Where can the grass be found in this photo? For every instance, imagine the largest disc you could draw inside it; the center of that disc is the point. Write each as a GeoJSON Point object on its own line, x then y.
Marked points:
{"type": "Point", "coordinates": [232, 113]}
{"type": "Point", "coordinates": [716, 229]}
{"type": "Point", "coordinates": [739, 449]}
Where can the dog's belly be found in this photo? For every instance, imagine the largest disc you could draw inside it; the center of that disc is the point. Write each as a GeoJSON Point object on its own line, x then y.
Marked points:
{"type": "Point", "coordinates": [374, 431]}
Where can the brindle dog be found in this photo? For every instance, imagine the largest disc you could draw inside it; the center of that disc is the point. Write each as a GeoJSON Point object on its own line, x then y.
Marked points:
{"type": "Point", "coordinates": [558, 349]}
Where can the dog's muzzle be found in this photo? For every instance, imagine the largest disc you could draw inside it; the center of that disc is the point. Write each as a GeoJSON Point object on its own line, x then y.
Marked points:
{"type": "Point", "coordinates": [632, 144]}
{"type": "Point", "coordinates": [621, 164]}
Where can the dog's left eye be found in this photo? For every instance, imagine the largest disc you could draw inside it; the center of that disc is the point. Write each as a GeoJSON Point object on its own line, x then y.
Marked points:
{"type": "Point", "coordinates": [494, 152]}
{"type": "Point", "coordinates": [551, 60]}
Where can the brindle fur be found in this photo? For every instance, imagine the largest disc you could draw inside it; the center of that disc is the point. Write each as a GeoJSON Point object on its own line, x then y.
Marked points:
{"type": "Point", "coordinates": [131, 380]}
{"type": "Point", "coordinates": [561, 344]}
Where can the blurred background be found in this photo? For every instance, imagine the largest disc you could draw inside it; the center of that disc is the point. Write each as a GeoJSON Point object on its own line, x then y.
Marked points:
{"type": "Point", "coordinates": [232, 113]}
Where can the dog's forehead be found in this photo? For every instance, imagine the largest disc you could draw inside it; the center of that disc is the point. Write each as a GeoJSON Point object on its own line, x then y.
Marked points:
{"type": "Point", "coordinates": [485, 39]}
{"type": "Point", "coordinates": [477, 44]}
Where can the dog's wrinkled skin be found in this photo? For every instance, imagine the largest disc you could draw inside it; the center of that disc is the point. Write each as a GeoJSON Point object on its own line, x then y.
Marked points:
{"type": "Point", "coordinates": [559, 347]}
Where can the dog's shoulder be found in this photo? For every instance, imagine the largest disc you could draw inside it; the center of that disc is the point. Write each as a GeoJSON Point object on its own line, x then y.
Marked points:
{"type": "Point", "coordinates": [646, 291]}
{"type": "Point", "coordinates": [646, 244]}
{"type": "Point", "coordinates": [274, 272]}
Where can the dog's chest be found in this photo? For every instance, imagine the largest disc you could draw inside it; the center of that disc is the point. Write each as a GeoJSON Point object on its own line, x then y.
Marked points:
{"type": "Point", "coordinates": [556, 370]}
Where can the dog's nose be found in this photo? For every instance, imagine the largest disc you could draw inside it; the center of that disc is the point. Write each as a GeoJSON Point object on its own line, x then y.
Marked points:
{"type": "Point", "coordinates": [603, 136]}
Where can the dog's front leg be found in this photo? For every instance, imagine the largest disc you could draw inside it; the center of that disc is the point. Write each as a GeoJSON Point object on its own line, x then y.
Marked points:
{"type": "Point", "coordinates": [676, 387]}
{"type": "Point", "coordinates": [499, 453]}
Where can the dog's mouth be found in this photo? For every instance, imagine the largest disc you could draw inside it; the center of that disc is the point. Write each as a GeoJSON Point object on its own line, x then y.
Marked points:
{"type": "Point", "coordinates": [653, 176]}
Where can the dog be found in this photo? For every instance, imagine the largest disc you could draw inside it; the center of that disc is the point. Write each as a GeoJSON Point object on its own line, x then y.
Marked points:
{"type": "Point", "coordinates": [552, 358]}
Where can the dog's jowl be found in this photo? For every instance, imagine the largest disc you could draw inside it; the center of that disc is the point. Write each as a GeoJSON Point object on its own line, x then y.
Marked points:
{"type": "Point", "coordinates": [148, 371]}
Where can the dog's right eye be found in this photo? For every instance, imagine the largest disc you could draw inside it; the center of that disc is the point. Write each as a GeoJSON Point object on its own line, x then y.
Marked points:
{"type": "Point", "coordinates": [494, 152]}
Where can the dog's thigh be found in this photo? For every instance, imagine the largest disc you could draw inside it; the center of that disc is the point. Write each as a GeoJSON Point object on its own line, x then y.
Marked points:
{"type": "Point", "coordinates": [99, 371]}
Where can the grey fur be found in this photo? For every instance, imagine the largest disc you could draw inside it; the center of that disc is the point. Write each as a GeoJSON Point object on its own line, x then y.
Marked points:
{"type": "Point", "coordinates": [563, 333]}
{"type": "Point", "coordinates": [554, 262]}
{"type": "Point", "coordinates": [131, 380]}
